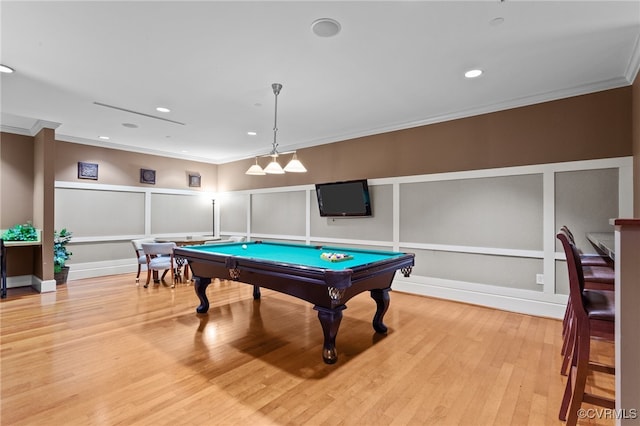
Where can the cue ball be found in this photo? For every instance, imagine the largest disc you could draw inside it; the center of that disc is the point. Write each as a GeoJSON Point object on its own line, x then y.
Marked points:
{"type": "Point", "coordinates": [244, 246]}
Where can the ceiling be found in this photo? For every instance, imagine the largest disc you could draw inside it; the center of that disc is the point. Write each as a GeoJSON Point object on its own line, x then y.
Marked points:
{"type": "Point", "coordinates": [393, 65]}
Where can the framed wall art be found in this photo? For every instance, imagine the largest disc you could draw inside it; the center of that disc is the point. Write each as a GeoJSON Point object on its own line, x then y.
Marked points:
{"type": "Point", "coordinates": [87, 170]}
{"type": "Point", "coordinates": [148, 176]}
{"type": "Point", "coordinates": [194, 180]}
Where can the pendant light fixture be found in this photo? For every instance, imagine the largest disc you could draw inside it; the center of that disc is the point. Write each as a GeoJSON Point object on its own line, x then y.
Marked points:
{"type": "Point", "coordinates": [255, 170]}
{"type": "Point", "coordinates": [294, 166]}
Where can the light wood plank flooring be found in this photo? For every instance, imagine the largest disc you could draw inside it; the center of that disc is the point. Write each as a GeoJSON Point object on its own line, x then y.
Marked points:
{"type": "Point", "coordinates": [104, 351]}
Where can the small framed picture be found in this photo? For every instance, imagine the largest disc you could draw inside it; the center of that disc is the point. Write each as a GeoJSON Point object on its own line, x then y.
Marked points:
{"type": "Point", "coordinates": [87, 170]}
{"type": "Point", "coordinates": [194, 180]}
{"type": "Point", "coordinates": [148, 176]}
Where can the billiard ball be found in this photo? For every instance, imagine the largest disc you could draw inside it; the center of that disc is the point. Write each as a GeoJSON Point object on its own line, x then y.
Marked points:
{"type": "Point", "coordinates": [244, 246]}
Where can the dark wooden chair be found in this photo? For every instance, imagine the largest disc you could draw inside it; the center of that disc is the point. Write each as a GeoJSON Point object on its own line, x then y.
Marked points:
{"type": "Point", "coordinates": [598, 274]}
{"type": "Point", "coordinates": [592, 314]}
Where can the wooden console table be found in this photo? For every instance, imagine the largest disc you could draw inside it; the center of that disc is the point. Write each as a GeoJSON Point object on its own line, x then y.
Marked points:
{"type": "Point", "coordinates": [3, 268]}
{"type": "Point", "coordinates": [3, 260]}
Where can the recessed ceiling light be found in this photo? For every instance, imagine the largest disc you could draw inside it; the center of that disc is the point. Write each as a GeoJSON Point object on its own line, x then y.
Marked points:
{"type": "Point", "coordinates": [130, 125]}
{"type": "Point", "coordinates": [325, 27]}
{"type": "Point", "coordinates": [6, 69]}
{"type": "Point", "coordinates": [105, 138]}
{"type": "Point", "coordinates": [163, 109]}
{"type": "Point", "coordinates": [496, 21]}
{"type": "Point", "coordinates": [473, 73]}
{"type": "Point", "coordinates": [251, 133]}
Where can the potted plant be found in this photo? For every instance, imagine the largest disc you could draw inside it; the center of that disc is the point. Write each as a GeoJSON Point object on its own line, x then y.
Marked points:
{"type": "Point", "coordinates": [21, 232]}
{"type": "Point", "coordinates": [60, 255]}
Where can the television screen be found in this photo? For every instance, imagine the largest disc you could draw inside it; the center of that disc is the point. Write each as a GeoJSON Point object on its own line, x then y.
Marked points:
{"type": "Point", "coordinates": [339, 199]}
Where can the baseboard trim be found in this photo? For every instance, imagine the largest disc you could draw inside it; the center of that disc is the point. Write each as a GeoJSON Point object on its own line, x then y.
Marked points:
{"type": "Point", "coordinates": [44, 286]}
{"type": "Point", "coordinates": [41, 286]}
{"type": "Point", "coordinates": [20, 281]}
{"type": "Point", "coordinates": [548, 306]}
{"type": "Point", "coordinates": [93, 273]}
{"type": "Point", "coordinates": [78, 271]}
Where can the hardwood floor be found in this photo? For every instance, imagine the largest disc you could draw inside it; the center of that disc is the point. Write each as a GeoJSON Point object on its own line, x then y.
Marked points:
{"type": "Point", "coordinates": [104, 351]}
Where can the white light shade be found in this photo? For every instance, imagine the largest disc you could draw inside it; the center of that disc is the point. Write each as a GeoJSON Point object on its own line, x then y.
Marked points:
{"type": "Point", "coordinates": [255, 170]}
{"type": "Point", "coordinates": [295, 166]}
{"type": "Point", "coordinates": [274, 168]}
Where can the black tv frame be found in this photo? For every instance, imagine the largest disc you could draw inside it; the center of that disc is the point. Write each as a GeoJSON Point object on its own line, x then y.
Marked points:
{"type": "Point", "coordinates": [364, 191]}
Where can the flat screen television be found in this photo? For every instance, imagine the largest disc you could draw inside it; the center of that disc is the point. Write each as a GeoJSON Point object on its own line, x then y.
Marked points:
{"type": "Point", "coordinates": [342, 199]}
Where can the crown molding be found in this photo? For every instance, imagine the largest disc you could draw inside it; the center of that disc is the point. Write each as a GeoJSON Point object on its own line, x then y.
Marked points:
{"type": "Point", "coordinates": [15, 130]}
{"type": "Point", "coordinates": [128, 148]}
{"type": "Point", "coordinates": [43, 124]}
{"type": "Point", "coordinates": [34, 130]}
{"type": "Point", "coordinates": [634, 62]}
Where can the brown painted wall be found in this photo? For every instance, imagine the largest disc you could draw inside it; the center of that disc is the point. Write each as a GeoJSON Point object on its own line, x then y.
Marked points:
{"type": "Point", "coordinates": [16, 196]}
{"type": "Point", "coordinates": [16, 179]}
{"type": "Point", "coordinates": [123, 168]}
{"type": "Point", "coordinates": [584, 127]}
{"type": "Point", "coordinates": [636, 146]}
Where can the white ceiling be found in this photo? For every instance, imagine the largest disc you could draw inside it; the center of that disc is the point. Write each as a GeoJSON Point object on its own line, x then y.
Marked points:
{"type": "Point", "coordinates": [394, 65]}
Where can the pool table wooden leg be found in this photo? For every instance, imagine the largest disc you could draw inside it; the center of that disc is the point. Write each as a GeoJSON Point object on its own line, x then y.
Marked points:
{"type": "Point", "coordinates": [381, 296]}
{"type": "Point", "coordinates": [256, 292]}
{"type": "Point", "coordinates": [200, 286]}
{"type": "Point", "coordinates": [330, 321]}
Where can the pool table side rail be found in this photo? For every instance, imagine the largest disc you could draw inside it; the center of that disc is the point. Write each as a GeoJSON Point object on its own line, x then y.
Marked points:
{"type": "Point", "coordinates": [336, 278]}
{"type": "Point", "coordinates": [317, 286]}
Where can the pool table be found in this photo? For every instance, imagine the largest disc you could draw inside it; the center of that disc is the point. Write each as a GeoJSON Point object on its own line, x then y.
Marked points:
{"type": "Point", "coordinates": [325, 276]}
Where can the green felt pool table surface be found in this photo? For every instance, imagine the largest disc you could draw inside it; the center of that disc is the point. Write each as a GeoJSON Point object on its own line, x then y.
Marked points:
{"type": "Point", "coordinates": [297, 254]}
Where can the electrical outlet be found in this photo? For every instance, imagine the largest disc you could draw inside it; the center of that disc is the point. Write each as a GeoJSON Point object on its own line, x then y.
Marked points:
{"type": "Point", "coordinates": [539, 278]}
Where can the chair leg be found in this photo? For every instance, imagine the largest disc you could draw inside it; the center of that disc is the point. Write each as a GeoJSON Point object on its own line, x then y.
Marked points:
{"type": "Point", "coordinates": [577, 378]}
{"type": "Point", "coordinates": [567, 318]}
{"type": "Point", "coordinates": [566, 398]}
{"type": "Point", "coordinates": [579, 369]}
{"type": "Point", "coordinates": [569, 346]}
{"type": "Point", "coordinates": [148, 278]}
{"type": "Point", "coordinates": [138, 276]}
{"type": "Point", "coordinates": [569, 390]}
{"type": "Point", "coordinates": [573, 353]}
{"type": "Point", "coordinates": [177, 275]}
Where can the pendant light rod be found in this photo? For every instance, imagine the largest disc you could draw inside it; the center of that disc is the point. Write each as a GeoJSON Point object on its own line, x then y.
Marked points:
{"type": "Point", "coordinates": [276, 91]}
{"type": "Point", "coordinates": [294, 166]}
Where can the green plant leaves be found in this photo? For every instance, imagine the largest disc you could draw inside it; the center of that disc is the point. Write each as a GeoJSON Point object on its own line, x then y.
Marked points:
{"type": "Point", "coordinates": [22, 232]}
